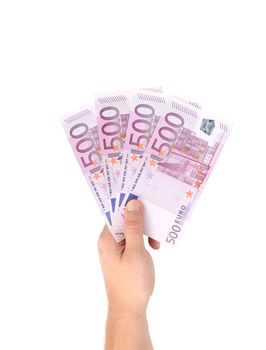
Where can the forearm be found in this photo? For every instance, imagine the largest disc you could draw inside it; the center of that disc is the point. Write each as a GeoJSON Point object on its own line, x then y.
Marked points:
{"type": "Point", "coordinates": [127, 332]}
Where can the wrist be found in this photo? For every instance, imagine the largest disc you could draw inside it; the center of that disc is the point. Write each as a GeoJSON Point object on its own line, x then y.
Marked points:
{"type": "Point", "coordinates": [126, 313]}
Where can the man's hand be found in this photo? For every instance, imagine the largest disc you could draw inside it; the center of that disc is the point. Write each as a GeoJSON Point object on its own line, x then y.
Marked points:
{"type": "Point", "coordinates": [129, 279]}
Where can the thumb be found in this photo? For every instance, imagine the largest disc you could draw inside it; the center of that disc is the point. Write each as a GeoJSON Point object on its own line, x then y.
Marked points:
{"type": "Point", "coordinates": [134, 223]}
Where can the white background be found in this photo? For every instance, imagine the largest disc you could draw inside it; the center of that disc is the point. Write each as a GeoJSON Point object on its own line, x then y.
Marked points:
{"type": "Point", "coordinates": [210, 291]}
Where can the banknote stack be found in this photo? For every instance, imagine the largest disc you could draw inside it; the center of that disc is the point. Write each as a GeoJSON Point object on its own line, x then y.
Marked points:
{"type": "Point", "coordinates": [146, 145]}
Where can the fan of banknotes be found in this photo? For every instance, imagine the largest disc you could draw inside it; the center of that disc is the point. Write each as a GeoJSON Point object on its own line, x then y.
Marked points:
{"type": "Point", "coordinates": [148, 145]}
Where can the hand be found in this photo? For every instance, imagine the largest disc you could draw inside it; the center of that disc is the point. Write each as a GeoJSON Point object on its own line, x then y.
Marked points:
{"type": "Point", "coordinates": [128, 274]}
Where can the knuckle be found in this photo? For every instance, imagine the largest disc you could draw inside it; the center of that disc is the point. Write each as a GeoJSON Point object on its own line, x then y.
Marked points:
{"type": "Point", "coordinates": [132, 224]}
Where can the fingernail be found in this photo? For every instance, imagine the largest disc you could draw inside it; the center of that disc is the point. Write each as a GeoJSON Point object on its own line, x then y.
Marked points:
{"type": "Point", "coordinates": [133, 206]}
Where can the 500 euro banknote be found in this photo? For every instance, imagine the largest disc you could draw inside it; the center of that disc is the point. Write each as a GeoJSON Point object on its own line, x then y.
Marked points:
{"type": "Point", "coordinates": [174, 168]}
{"type": "Point", "coordinates": [112, 111]}
{"type": "Point", "coordinates": [146, 107]}
{"type": "Point", "coordinates": [82, 133]}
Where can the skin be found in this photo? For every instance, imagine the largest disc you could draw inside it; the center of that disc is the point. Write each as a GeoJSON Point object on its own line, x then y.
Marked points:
{"type": "Point", "coordinates": [129, 277]}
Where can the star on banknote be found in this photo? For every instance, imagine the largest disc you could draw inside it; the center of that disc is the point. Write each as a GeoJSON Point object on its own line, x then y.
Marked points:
{"type": "Point", "coordinates": [152, 162]}
{"type": "Point", "coordinates": [189, 194]}
{"type": "Point", "coordinates": [134, 157]}
{"type": "Point", "coordinates": [116, 148]}
{"type": "Point", "coordinates": [97, 176]}
{"type": "Point", "coordinates": [113, 161]}
{"type": "Point", "coordinates": [197, 184]}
